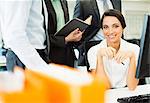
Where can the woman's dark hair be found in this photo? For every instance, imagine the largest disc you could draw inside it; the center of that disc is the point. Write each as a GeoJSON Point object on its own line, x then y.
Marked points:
{"type": "Point", "coordinates": [115, 13]}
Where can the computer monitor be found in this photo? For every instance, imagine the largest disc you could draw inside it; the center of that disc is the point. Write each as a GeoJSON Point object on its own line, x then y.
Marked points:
{"type": "Point", "coordinates": [143, 66]}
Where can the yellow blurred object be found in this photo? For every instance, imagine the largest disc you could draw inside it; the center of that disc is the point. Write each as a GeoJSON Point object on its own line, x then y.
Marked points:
{"type": "Point", "coordinates": [41, 88]}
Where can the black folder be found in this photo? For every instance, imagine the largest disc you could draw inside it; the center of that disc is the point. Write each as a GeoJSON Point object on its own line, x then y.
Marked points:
{"type": "Point", "coordinates": [71, 26]}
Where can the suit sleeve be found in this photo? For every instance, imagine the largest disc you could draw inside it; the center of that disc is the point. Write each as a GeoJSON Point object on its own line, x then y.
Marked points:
{"type": "Point", "coordinates": [58, 41]}
{"type": "Point", "coordinates": [78, 10]}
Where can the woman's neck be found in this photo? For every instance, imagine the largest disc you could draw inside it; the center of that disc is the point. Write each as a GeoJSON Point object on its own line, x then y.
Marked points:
{"type": "Point", "coordinates": [115, 45]}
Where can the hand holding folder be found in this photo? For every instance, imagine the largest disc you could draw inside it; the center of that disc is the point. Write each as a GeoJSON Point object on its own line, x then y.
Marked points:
{"type": "Point", "coordinates": [74, 29]}
{"type": "Point", "coordinates": [74, 24]}
{"type": "Point", "coordinates": [74, 36]}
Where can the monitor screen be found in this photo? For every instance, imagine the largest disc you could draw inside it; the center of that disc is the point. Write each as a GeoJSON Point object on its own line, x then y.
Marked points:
{"type": "Point", "coordinates": [143, 66]}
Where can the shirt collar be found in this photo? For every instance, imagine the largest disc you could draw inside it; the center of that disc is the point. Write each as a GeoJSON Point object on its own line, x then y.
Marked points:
{"type": "Point", "coordinates": [122, 43]}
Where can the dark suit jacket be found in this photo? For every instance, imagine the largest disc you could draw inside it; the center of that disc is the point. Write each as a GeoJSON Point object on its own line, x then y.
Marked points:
{"type": "Point", "coordinates": [82, 10]}
{"type": "Point", "coordinates": [60, 52]}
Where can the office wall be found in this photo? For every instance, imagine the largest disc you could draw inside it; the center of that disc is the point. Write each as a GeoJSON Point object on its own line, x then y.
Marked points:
{"type": "Point", "coordinates": [134, 11]}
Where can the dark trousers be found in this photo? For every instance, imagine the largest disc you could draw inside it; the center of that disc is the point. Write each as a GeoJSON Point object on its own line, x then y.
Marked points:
{"type": "Point", "coordinates": [12, 60]}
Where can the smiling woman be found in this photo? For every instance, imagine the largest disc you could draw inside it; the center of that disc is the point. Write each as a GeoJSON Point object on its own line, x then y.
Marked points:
{"type": "Point", "coordinates": [112, 30]}
{"type": "Point", "coordinates": [107, 58]}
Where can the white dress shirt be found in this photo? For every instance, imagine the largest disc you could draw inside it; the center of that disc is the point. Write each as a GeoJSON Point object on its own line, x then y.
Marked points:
{"type": "Point", "coordinates": [99, 35]}
{"type": "Point", "coordinates": [22, 30]}
{"type": "Point", "coordinates": [117, 73]}
{"type": "Point", "coordinates": [101, 6]}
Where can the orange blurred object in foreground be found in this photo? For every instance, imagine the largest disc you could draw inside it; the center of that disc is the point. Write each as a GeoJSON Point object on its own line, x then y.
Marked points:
{"type": "Point", "coordinates": [40, 88]}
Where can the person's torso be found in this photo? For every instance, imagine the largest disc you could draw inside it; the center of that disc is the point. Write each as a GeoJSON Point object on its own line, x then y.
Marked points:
{"type": "Point", "coordinates": [117, 72]}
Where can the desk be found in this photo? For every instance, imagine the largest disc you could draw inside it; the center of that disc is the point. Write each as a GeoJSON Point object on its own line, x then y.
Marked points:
{"type": "Point", "coordinates": [112, 95]}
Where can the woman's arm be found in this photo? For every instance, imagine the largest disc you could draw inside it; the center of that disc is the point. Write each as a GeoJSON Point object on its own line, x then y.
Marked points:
{"type": "Point", "coordinates": [100, 72]}
{"type": "Point", "coordinates": [109, 52]}
{"type": "Point", "coordinates": [132, 82]}
{"type": "Point", "coordinates": [120, 57]}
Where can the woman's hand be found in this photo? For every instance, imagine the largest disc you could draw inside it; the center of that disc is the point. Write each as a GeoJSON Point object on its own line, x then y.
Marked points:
{"type": "Point", "coordinates": [122, 55]}
{"type": "Point", "coordinates": [108, 52]}
{"type": "Point", "coordinates": [119, 56]}
{"type": "Point", "coordinates": [74, 36]}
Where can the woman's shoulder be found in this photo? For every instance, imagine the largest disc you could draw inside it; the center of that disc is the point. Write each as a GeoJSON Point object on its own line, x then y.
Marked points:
{"type": "Point", "coordinates": [101, 44]}
{"type": "Point", "coordinates": [96, 47]}
{"type": "Point", "coordinates": [129, 45]}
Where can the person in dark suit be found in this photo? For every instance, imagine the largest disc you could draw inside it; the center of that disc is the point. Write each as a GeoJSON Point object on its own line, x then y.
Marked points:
{"type": "Point", "coordinates": [61, 48]}
{"type": "Point", "coordinates": [92, 34]}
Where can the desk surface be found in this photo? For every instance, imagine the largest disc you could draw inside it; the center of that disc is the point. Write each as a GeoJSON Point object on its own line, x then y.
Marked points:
{"type": "Point", "coordinates": [112, 95]}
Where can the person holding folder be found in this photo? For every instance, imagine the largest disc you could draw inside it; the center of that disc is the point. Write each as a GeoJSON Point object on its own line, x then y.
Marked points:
{"type": "Point", "coordinates": [61, 48]}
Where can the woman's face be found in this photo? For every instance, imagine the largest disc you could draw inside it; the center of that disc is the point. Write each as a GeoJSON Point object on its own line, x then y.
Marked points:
{"type": "Point", "coordinates": [112, 29]}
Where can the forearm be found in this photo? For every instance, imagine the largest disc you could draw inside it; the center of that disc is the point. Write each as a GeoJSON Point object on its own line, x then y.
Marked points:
{"type": "Point", "coordinates": [100, 72]}
{"type": "Point", "coordinates": [131, 80]}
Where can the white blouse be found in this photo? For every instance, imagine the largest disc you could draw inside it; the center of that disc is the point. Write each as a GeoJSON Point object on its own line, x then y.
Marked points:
{"type": "Point", "coordinates": [117, 73]}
